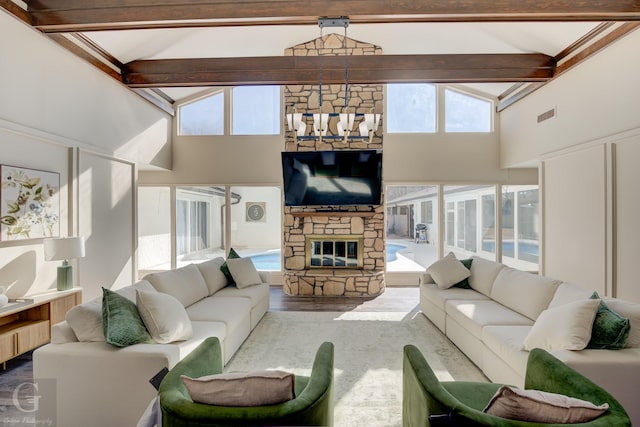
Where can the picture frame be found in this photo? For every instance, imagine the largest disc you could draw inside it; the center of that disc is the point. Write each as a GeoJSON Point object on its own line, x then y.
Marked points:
{"type": "Point", "coordinates": [256, 211]}
{"type": "Point", "coordinates": [29, 203]}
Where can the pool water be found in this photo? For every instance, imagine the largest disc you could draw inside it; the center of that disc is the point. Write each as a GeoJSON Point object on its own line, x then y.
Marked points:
{"type": "Point", "coordinates": [270, 261]}
{"type": "Point", "coordinates": [527, 251]}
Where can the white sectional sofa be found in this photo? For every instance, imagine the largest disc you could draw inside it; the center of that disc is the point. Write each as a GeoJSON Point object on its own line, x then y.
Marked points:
{"type": "Point", "coordinates": [84, 381]}
{"type": "Point", "coordinates": [491, 321]}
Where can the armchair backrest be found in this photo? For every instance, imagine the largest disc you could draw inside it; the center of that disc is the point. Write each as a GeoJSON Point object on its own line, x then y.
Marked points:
{"type": "Point", "coordinates": [425, 397]}
{"type": "Point", "coordinates": [313, 404]}
{"type": "Point", "coordinates": [547, 373]}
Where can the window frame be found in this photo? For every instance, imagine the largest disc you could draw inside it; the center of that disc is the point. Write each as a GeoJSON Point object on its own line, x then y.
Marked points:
{"type": "Point", "coordinates": [440, 111]}
{"type": "Point", "coordinates": [491, 102]}
{"type": "Point", "coordinates": [199, 98]}
{"type": "Point", "coordinates": [227, 119]}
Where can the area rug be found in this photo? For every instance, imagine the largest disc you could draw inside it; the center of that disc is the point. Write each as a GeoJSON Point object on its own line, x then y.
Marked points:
{"type": "Point", "coordinates": [368, 357]}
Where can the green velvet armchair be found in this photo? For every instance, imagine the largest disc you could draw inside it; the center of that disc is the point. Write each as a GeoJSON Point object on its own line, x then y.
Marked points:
{"type": "Point", "coordinates": [312, 406]}
{"type": "Point", "coordinates": [429, 402]}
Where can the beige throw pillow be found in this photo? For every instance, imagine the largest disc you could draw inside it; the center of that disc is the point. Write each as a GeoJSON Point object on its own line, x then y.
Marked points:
{"type": "Point", "coordinates": [448, 271]}
{"type": "Point", "coordinates": [565, 327]}
{"type": "Point", "coordinates": [241, 389]}
{"type": "Point", "coordinates": [164, 316]}
{"type": "Point", "coordinates": [244, 272]}
{"type": "Point", "coordinates": [542, 407]}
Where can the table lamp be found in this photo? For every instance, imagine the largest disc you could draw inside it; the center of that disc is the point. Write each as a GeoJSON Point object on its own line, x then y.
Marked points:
{"type": "Point", "coordinates": [64, 248]}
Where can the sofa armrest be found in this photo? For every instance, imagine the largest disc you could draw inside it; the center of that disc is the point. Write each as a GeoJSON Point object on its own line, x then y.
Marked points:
{"type": "Point", "coordinates": [81, 382]}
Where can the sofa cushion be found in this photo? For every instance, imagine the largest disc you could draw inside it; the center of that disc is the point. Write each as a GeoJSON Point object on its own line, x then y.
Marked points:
{"type": "Point", "coordinates": [241, 389]}
{"type": "Point", "coordinates": [186, 284]}
{"type": "Point", "coordinates": [506, 342]}
{"type": "Point", "coordinates": [86, 319]}
{"type": "Point", "coordinates": [448, 271]}
{"type": "Point", "coordinates": [483, 274]}
{"type": "Point", "coordinates": [254, 293]}
{"type": "Point", "coordinates": [213, 276]}
{"type": "Point", "coordinates": [121, 320]}
{"type": "Point", "coordinates": [631, 311]}
{"type": "Point", "coordinates": [164, 316]}
{"type": "Point", "coordinates": [542, 407]}
{"type": "Point", "coordinates": [565, 327]}
{"type": "Point", "coordinates": [568, 292]}
{"type": "Point", "coordinates": [244, 273]}
{"type": "Point", "coordinates": [526, 293]}
{"type": "Point", "coordinates": [439, 297]}
{"type": "Point", "coordinates": [475, 315]}
{"type": "Point", "coordinates": [233, 312]}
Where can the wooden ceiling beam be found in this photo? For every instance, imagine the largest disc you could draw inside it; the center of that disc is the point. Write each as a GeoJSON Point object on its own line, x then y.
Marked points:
{"type": "Point", "coordinates": [83, 15]}
{"type": "Point", "coordinates": [15, 10]}
{"type": "Point", "coordinates": [289, 70]}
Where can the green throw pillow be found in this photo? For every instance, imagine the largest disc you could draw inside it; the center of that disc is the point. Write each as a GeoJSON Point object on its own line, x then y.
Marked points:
{"type": "Point", "coordinates": [464, 284]}
{"type": "Point", "coordinates": [610, 330]}
{"type": "Point", "coordinates": [225, 269]}
{"type": "Point", "coordinates": [121, 321]}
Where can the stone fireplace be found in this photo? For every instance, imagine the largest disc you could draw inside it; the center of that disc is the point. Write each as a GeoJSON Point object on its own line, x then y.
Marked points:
{"type": "Point", "coordinates": [331, 251]}
{"type": "Point", "coordinates": [334, 253]}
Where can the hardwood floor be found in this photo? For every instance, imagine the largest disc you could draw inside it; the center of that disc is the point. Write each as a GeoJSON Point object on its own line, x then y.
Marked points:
{"type": "Point", "coordinates": [402, 299]}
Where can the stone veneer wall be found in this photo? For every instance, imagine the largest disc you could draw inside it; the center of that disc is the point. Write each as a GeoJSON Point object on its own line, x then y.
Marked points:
{"type": "Point", "coordinates": [300, 222]}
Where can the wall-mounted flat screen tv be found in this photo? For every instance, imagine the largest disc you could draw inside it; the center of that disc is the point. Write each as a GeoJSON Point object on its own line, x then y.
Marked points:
{"type": "Point", "coordinates": [332, 178]}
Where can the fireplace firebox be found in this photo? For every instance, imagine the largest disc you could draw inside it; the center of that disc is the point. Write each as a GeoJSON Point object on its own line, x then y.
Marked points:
{"type": "Point", "coordinates": [334, 251]}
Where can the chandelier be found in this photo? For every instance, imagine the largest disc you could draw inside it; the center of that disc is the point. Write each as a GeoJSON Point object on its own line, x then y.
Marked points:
{"type": "Point", "coordinates": [310, 126]}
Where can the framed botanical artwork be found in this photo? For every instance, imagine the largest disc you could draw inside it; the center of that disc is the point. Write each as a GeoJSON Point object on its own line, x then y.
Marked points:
{"type": "Point", "coordinates": [29, 203]}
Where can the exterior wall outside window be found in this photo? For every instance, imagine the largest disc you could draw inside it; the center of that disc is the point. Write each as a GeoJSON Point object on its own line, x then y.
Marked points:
{"type": "Point", "coordinates": [470, 227]}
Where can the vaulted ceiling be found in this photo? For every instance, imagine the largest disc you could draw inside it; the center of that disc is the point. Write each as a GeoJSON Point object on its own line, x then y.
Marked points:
{"type": "Point", "coordinates": [169, 50]}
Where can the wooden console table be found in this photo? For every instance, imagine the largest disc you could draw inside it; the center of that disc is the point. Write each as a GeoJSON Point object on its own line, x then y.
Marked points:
{"type": "Point", "coordinates": [26, 324]}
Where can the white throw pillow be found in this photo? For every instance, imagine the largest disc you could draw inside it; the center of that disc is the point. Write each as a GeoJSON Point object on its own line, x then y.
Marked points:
{"type": "Point", "coordinates": [164, 316]}
{"type": "Point", "coordinates": [542, 407]}
{"type": "Point", "coordinates": [448, 271]}
{"type": "Point", "coordinates": [86, 319]}
{"type": "Point", "coordinates": [565, 327]}
{"type": "Point", "coordinates": [244, 272]}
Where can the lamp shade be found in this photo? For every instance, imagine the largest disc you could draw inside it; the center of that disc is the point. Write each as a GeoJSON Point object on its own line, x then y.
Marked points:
{"type": "Point", "coordinates": [63, 248]}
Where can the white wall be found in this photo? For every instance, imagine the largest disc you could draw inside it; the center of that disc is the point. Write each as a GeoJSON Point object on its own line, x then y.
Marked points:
{"type": "Point", "coordinates": [626, 216]}
{"type": "Point", "coordinates": [598, 98]}
{"type": "Point", "coordinates": [446, 158]}
{"type": "Point", "coordinates": [574, 212]}
{"type": "Point", "coordinates": [106, 220]}
{"type": "Point", "coordinates": [58, 113]}
{"type": "Point", "coordinates": [49, 89]}
{"type": "Point", "coordinates": [589, 174]}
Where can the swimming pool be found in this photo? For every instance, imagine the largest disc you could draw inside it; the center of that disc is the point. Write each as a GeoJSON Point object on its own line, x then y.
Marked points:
{"type": "Point", "coordinates": [270, 261]}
